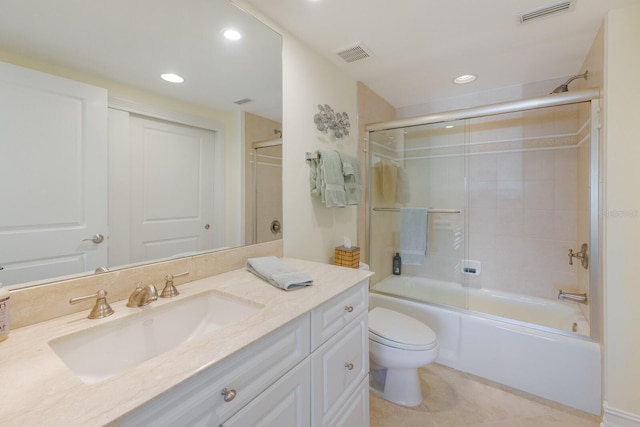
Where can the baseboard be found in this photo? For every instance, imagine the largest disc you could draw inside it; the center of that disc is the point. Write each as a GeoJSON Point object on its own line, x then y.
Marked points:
{"type": "Point", "coordinates": [617, 418]}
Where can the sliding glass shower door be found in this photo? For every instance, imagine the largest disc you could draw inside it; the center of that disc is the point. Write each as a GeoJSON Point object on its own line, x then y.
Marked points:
{"type": "Point", "coordinates": [513, 214]}
{"type": "Point", "coordinates": [415, 168]}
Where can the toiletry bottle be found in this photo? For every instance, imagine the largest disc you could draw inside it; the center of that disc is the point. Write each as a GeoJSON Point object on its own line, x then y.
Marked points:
{"type": "Point", "coordinates": [4, 313]}
{"type": "Point", "coordinates": [397, 264]}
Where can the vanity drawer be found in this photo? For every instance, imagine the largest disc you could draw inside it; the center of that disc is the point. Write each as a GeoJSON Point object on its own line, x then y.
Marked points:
{"type": "Point", "coordinates": [331, 317]}
{"type": "Point", "coordinates": [354, 413]}
{"type": "Point", "coordinates": [337, 370]}
{"type": "Point", "coordinates": [242, 377]}
{"type": "Point", "coordinates": [287, 403]}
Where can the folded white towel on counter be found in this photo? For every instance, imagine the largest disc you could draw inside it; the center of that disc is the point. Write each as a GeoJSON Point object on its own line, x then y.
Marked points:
{"type": "Point", "coordinates": [278, 273]}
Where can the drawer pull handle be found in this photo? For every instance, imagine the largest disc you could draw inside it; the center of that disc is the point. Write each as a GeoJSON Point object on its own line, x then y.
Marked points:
{"type": "Point", "coordinates": [229, 395]}
{"type": "Point", "coordinates": [349, 308]}
{"type": "Point", "coordinates": [349, 366]}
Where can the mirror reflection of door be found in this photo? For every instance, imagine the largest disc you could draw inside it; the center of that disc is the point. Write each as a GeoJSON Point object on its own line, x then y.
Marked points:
{"type": "Point", "coordinates": [173, 190]}
{"type": "Point", "coordinates": [54, 203]}
{"type": "Point", "coordinates": [267, 191]}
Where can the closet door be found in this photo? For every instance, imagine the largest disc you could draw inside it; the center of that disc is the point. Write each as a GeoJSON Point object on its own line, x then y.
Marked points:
{"type": "Point", "coordinates": [53, 161]}
{"type": "Point", "coordinates": [172, 190]}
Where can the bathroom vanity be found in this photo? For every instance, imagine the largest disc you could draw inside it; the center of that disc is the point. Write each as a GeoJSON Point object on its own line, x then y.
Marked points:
{"type": "Point", "coordinates": [299, 359]}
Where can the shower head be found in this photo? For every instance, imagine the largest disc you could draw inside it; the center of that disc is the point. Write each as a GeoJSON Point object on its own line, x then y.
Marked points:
{"type": "Point", "coordinates": [565, 86]}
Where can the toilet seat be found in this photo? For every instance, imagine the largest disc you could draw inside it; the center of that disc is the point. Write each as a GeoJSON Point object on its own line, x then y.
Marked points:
{"type": "Point", "coordinates": [397, 330]}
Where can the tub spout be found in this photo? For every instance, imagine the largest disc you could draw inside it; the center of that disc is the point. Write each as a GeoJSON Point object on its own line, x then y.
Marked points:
{"type": "Point", "coordinates": [581, 298]}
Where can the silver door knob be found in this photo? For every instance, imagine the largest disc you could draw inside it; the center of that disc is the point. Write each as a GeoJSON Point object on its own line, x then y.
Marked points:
{"type": "Point", "coordinates": [97, 239]}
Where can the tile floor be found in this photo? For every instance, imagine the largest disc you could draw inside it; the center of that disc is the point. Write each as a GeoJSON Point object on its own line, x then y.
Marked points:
{"type": "Point", "coordinates": [456, 399]}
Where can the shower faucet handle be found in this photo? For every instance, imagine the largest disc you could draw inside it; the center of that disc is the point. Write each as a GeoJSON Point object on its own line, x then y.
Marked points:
{"type": "Point", "coordinates": [583, 256]}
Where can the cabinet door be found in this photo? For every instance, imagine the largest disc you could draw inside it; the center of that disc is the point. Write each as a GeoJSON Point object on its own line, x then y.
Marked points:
{"type": "Point", "coordinates": [355, 413]}
{"type": "Point", "coordinates": [215, 394]}
{"type": "Point", "coordinates": [287, 403]}
{"type": "Point", "coordinates": [338, 367]}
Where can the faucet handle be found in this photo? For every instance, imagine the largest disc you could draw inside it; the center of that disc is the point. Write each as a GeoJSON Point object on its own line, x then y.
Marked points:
{"type": "Point", "coordinates": [100, 309]}
{"type": "Point", "coordinates": [170, 290]}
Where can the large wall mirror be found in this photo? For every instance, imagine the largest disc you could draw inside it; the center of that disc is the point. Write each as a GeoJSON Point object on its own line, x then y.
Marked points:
{"type": "Point", "coordinates": [103, 163]}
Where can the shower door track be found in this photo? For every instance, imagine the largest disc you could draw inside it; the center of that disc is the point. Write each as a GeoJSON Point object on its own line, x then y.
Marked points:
{"type": "Point", "coordinates": [490, 110]}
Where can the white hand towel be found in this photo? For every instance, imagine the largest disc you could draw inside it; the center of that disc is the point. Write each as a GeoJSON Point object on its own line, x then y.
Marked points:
{"type": "Point", "coordinates": [414, 235]}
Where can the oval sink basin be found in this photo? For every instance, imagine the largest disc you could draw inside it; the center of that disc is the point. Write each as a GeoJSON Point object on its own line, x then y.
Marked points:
{"type": "Point", "coordinates": [105, 350]}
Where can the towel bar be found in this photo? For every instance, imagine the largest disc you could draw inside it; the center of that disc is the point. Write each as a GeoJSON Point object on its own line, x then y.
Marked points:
{"type": "Point", "coordinates": [448, 211]}
{"type": "Point", "coordinates": [311, 156]}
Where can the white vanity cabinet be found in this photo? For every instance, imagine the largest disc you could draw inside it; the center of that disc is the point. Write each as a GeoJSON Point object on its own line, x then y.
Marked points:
{"type": "Point", "coordinates": [340, 360]}
{"type": "Point", "coordinates": [331, 317]}
{"type": "Point", "coordinates": [285, 403]}
{"type": "Point", "coordinates": [212, 397]}
{"type": "Point", "coordinates": [310, 372]}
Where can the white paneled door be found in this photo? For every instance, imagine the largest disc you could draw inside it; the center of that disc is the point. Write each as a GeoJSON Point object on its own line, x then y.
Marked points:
{"type": "Point", "coordinates": [53, 176]}
{"type": "Point", "coordinates": [173, 194]}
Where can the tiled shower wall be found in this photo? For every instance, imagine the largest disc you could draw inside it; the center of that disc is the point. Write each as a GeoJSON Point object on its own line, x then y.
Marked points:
{"type": "Point", "coordinates": [523, 220]}
{"type": "Point", "coordinates": [526, 201]}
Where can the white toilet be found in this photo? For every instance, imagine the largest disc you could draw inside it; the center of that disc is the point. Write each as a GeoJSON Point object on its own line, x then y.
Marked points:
{"type": "Point", "coordinates": [398, 346]}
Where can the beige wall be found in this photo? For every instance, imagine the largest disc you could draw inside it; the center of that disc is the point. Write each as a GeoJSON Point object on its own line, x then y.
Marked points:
{"type": "Point", "coordinates": [312, 231]}
{"type": "Point", "coordinates": [622, 218]}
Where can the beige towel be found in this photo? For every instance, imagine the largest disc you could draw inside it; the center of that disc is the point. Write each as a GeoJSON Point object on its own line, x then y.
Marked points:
{"type": "Point", "coordinates": [402, 188]}
{"type": "Point", "coordinates": [387, 173]}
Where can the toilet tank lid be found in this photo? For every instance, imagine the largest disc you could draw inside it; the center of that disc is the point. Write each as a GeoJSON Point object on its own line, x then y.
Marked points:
{"type": "Point", "coordinates": [399, 327]}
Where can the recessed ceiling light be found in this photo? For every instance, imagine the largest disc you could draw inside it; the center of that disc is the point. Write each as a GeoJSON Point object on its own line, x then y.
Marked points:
{"type": "Point", "coordinates": [173, 78]}
{"type": "Point", "coordinates": [448, 127]}
{"type": "Point", "coordinates": [465, 78]}
{"type": "Point", "coordinates": [231, 34]}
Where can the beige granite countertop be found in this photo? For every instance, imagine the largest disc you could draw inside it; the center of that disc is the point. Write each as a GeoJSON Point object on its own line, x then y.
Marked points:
{"type": "Point", "coordinates": [37, 389]}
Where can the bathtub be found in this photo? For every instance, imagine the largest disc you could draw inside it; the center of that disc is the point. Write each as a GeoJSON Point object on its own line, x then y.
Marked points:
{"type": "Point", "coordinates": [546, 359]}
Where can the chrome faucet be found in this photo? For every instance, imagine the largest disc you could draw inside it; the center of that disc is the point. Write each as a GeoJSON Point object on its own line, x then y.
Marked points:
{"type": "Point", "coordinates": [581, 298]}
{"type": "Point", "coordinates": [583, 256]}
{"type": "Point", "coordinates": [142, 296]}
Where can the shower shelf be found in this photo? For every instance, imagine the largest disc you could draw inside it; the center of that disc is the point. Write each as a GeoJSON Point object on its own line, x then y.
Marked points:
{"type": "Point", "coordinates": [446, 211]}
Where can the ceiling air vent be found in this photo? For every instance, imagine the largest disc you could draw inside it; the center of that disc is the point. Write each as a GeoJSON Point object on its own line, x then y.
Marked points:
{"type": "Point", "coordinates": [355, 52]}
{"type": "Point", "coordinates": [243, 101]}
{"type": "Point", "coordinates": [545, 12]}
